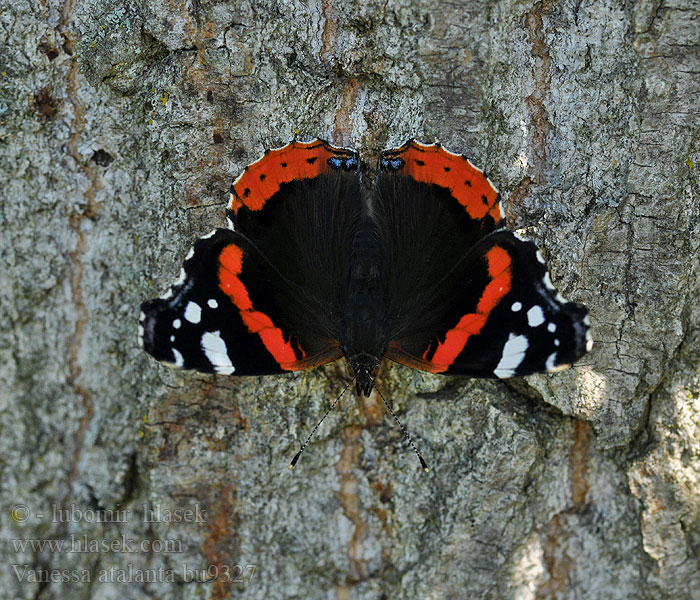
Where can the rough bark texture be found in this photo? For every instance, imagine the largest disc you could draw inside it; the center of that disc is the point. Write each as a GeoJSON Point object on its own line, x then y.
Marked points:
{"type": "Point", "coordinates": [122, 124]}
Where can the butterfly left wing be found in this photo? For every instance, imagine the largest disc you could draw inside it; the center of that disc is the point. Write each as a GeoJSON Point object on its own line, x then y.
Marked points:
{"type": "Point", "coordinates": [463, 295]}
{"type": "Point", "coordinates": [266, 297]}
{"type": "Point", "coordinates": [232, 312]}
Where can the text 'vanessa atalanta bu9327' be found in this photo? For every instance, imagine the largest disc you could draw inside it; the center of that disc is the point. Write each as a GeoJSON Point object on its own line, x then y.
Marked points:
{"type": "Point", "coordinates": [421, 272]}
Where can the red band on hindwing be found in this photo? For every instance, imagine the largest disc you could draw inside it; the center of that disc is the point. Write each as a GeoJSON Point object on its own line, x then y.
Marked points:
{"type": "Point", "coordinates": [433, 164]}
{"type": "Point", "coordinates": [499, 269]}
{"type": "Point", "coordinates": [295, 161]}
{"type": "Point", "coordinates": [230, 267]}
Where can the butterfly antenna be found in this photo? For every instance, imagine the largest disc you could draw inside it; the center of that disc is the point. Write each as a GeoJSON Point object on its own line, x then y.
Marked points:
{"type": "Point", "coordinates": [405, 433]}
{"type": "Point", "coordinates": [332, 406]}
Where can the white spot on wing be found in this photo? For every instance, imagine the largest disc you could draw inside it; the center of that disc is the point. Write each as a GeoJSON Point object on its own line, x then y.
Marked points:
{"type": "Point", "coordinates": [473, 166]}
{"type": "Point", "coordinates": [535, 316]}
{"type": "Point", "coordinates": [241, 175]}
{"type": "Point", "coordinates": [172, 338]}
{"type": "Point", "coordinates": [180, 279]}
{"type": "Point", "coordinates": [215, 350]}
{"type": "Point", "coordinates": [179, 361]}
{"type": "Point", "coordinates": [493, 187]}
{"type": "Point", "coordinates": [500, 210]}
{"type": "Point", "coordinates": [516, 306]}
{"type": "Point", "coordinates": [550, 364]}
{"type": "Point", "coordinates": [422, 145]}
{"type": "Point", "coordinates": [142, 318]}
{"type": "Point", "coordinates": [556, 342]}
{"type": "Point", "coordinates": [190, 254]}
{"type": "Point", "coordinates": [450, 153]}
{"type": "Point", "coordinates": [211, 234]}
{"type": "Point", "coordinates": [193, 312]}
{"type": "Point", "coordinates": [539, 256]}
{"type": "Point", "coordinates": [212, 303]}
{"type": "Point", "coordinates": [551, 327]}
{"type": "Point", "coordinates": [548, 281]}
{"type": "Point", "coordinates": [513, 354]}
{"type": "Point", "coordinates": [177, 323]}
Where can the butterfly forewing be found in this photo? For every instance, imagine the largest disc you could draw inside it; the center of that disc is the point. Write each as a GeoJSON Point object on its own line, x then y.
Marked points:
{"type": "Point", "coordinates": [515, 324]}
{"type": "Point", "coordinates": [230, 313]}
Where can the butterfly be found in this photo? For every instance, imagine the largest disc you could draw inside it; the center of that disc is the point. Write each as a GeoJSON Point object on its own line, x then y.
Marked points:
{"type": "Point", "coordinates": [419, 269]}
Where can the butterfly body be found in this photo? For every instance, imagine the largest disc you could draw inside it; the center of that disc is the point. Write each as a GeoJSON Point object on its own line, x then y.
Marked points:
{"type": "Point", "coordinates": [422, 272]}
{"type": "Point", "coordinates": [363, 334]}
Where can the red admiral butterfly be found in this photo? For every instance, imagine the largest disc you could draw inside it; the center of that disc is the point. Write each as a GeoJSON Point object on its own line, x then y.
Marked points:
{"type": "Point", "coordinates": [420, 271]}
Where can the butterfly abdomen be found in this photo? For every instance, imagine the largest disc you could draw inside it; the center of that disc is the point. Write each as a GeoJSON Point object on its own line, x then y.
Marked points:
{"type": "Point", "coordinates": [363, 314]}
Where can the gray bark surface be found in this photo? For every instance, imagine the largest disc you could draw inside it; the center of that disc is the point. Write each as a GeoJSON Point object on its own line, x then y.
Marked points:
{"type": "Point", "coordinates": [122, 125]}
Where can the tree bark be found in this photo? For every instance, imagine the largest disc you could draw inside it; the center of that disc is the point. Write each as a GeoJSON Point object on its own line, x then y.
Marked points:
{"type": "Point", "coordinates": [122, 125]}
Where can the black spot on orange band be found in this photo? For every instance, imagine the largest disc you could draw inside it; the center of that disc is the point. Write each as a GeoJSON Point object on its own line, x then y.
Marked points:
{"type": "Point", "coordinates": [296, 161]}
{"type": "Point", "coordinates": [465, 182]}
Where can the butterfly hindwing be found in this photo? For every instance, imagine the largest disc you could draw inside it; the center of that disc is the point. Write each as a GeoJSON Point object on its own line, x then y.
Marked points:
{"type": "Point", "coordinates": [425, 229]}
{"type": "Point", "coordinates": [229, 313]}
{"type": "Point", "coordinates": [300, 206]}
{"type": "Point", "coordinates": [297, 161]}
{"type": "Point", "coordinates": [432, 165]}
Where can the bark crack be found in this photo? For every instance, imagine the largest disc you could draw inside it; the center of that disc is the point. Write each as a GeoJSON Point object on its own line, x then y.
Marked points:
{"type": "Point", "coordinates": [556, 558]}
{"type": "Point", "coordinates": [77, 267]}
{"type": "Point", "coordinates": [351, 503]}
{"type": "Point", "coordinates": [542, 82]}
{"type": "Point", "coordinates": [349, 496]}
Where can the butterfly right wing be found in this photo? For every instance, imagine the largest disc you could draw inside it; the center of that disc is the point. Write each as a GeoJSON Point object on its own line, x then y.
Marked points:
{"type": "Point", "coordinates": [503, 317]}
{"type": "Point", "coordinates": [464, 295]}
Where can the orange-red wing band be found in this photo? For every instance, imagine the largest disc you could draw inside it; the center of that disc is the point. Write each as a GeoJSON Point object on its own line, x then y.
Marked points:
{"type": "Point", "coordinates": [434, 165]}
{"type": "Point", "coordinates": [499, 268]}
{"type": "Point", "coordinates": [230, 267]}
{"type": "Point", "coordinates": [298, 160]}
